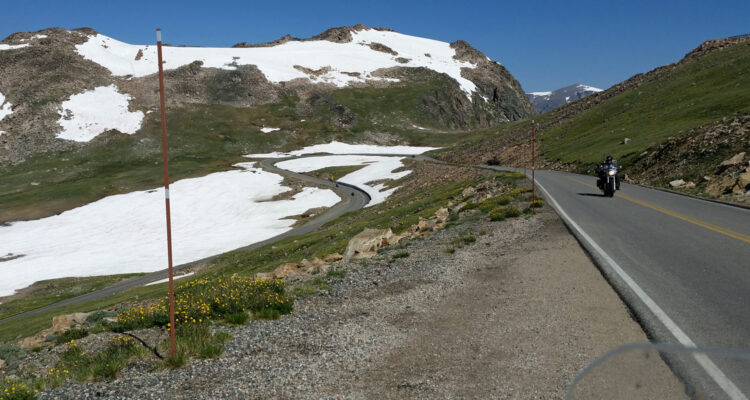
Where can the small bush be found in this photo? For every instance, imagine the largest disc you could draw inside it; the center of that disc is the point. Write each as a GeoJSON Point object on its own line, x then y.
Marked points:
{"type": "Point", "coordinates": [222, 337]}
{"type": "Point", "coordinates": [402, 254]}
{"type": "Point", "coordinates": [13, 389]}
{"type": "Point", "coordinates": [453, 218]}
{"type": "Point", "coordinates": [97, 316]}
{"type": "Point", "coordinates": [238, 318]}
{"type": "Point", "coordinates": [177, 361]}
{"type": "Point", "coordinates": [336, 273]}
{"type": "Point", "coordinates": [72, 334]}
{"type": "Point", "coordinates": [450, 250]}
{"type": "Point", "coordinates": [468, 238]}
{"type": "Point", "coordinates": [538, 203]}
{"type": "Point", "coordinates": [497, 215]}
{"type": "Point", "coordinates": [468, 206]}
{"type": "Point", "coordinates": [527, 210]}
{"type": "Point", "coordinates": [199, 300]}
{"type": "Point", "coordinates": [11, 354]}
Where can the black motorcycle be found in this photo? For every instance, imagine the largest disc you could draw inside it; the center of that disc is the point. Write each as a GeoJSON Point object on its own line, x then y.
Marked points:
{"type": "Point", "coordinates": [608, 179]}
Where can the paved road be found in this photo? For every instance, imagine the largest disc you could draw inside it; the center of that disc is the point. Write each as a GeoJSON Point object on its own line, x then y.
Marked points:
{"type": "Point", "coordinates": [690, 257]}
{"type": "Point", "coordinates": [352, 198]}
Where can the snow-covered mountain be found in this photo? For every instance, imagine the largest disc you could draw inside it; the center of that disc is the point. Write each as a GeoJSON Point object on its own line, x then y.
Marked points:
{"type": "Point", "coordinates": [60, 89]}
{"type": "Point", "coordinates": [546, 101]}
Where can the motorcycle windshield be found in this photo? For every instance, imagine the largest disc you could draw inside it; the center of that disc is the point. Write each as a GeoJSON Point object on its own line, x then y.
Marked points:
{"type": "Point", "coordinates": [664, 371]}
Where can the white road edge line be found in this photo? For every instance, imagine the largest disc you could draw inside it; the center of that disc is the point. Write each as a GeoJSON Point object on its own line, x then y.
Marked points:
{"type": "Point", "coordinates": [711, 369]}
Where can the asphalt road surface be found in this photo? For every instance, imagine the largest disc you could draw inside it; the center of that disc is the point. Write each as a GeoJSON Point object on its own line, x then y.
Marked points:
{"type": "Point", "coordinates": [352, 198]}
{"type": "Point", "coordinates": [685, 267]}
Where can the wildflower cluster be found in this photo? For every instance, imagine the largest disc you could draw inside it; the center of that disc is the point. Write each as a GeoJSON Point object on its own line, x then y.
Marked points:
{"type": "Point", "coordinates": [16, 390]}
{"type": "Point", "coordinates": [199, 300]}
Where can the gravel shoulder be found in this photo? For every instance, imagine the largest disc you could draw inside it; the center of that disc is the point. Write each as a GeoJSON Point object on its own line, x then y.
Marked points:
{"type": "Point", "coordinates": [514, 315]}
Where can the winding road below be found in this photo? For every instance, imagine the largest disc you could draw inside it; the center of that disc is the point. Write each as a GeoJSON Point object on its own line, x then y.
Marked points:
{"type": "Point", "coordinates": [352, 198]}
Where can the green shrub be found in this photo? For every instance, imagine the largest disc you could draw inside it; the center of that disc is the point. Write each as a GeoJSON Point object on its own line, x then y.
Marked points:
{"type": "Point", "coordinates": [216, 297]}
{"type": "Point", "coordinates": [468, 206]}
{"type": "Point", "coordinates": [11, 354]}
{"type": "Point", "coordinates": [72, 334]}
{"type": "Point", "coordinates": [402, 254]}
{"type": "Point", "coordinates": [453, 218]}
{"type": "Point", "coordinates": [336, 273]}
{"type": "Point", "coordinates": [99, 315]}
{"type": "Point", "coordinates": [450, 250]}
{"type": "Point", "coordinates": [238, 318]}
{"type": "Point", "coordinates": [538, 203]}
{"type": "Point", "coordinates": [497, 215]}
{"type": "Point", "coordinates": [14, 389]}
{"type": "Point", "coordinates": [469, 238]}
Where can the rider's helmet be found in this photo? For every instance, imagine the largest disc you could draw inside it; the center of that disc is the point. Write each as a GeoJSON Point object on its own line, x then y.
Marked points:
{"type": "Point", "coordinates": [608, 160]}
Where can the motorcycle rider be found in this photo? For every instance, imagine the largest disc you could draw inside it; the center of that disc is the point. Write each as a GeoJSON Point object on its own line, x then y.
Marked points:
{"type": "Point", "coordinates": [601, 169]}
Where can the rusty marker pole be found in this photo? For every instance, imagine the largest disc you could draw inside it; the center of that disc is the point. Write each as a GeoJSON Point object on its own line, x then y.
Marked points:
{"type": "Point", "coordinates": [533, 163]}
{"type": "Point", "coordinates": [166, 191]}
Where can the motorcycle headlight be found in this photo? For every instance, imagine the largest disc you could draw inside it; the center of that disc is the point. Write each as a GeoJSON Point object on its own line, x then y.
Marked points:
{"type": "Point", "coordinates": [612, 172]}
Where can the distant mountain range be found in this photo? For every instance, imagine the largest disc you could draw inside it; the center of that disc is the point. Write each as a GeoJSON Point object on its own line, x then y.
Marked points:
{"type": "Point", "coordinates": [546, 101]}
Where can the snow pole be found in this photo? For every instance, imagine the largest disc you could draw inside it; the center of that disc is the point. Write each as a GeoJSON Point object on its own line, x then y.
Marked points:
{"type": "Point", "coordinates": [166, 192]}
{"type": "Point", "coordinates": [533, 159]}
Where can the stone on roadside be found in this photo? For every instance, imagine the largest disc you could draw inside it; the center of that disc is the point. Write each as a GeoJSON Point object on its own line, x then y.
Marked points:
{"type": "Point", "coordinates": [737, 159]}
{"type": "Point", "coordinates": [677, 183]}
{"type": "Point", "coordinates": [366, 243]}
{"type": "Point", "coordinates": [62, 323]}
{"type": "Point", "coordinates": [333, 257]}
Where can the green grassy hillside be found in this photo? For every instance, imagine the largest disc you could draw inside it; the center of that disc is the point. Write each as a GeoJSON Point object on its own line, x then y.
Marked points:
{"type": "Point", "coordinates": [694, 93]}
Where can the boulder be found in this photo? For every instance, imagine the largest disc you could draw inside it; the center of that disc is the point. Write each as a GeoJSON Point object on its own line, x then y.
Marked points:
{"type": "Point", "coordinates": [737, 159]}
{"type": "Point", "coordinates": [625, 141]}
{"type": "Point", "coordinates": [720, 185]}
{"type": "Point", "coordinates": [366, 243]}
{"type": "Point", "coordinates": [62, 323]}
{"type": "Point", "coordinates": [743, 181]}
{"type": "Point", "coordinates": [333, 257]}
{"type": "Point", "coordinates": [468, 191]}
{"type": "Point", "coordinates": [688, 185]}
{"type": "Point", "coordinates": [442, 214]}
{"type": "Point", "coordinates": [677, 183]}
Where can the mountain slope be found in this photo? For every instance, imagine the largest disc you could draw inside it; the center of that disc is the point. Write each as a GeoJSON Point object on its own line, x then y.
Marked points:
{"type": "Point", "coordinates": [658, 119]}
{"type": "Point", "coordinates": [546, 101]}
{"type": "Point", "coordinates": [81, 115]}
{"type": "Point", "coordinates": [462, 88]}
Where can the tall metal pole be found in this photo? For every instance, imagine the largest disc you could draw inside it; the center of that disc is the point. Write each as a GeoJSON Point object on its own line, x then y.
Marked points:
{"type": "Point", "coordinates": [533, 164]}
{"type": "Point", "coordinates": [166, 191]}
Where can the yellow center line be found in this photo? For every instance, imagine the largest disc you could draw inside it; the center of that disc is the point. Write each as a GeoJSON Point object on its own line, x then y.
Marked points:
{"type": "Point", "coordinates": [704, 224]}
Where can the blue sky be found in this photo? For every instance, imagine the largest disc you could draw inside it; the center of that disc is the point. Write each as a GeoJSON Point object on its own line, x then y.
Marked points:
{"type": "Point", "coordinates": [544, 44]}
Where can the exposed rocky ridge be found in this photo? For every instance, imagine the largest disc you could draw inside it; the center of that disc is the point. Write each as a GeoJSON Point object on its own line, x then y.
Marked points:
{"type": "Point", "coordinates": [724, 142]}
{"type": "Point", "coordinates": [36, 79]}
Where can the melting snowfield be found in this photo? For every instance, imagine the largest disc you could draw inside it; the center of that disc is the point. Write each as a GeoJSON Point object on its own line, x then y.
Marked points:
{"type": "Point", "coordinates": [344, 148]}
{"type": "Point", "coordinates": [376, 168]}
{"type": "Point", "coordinates": [126, 233]}
{"type": "Point", "coordinates": [5, 109]}
{"type": "Point", "coordinates": [343, 62]}
{"type": "Point", "coordinates": [84, 116]}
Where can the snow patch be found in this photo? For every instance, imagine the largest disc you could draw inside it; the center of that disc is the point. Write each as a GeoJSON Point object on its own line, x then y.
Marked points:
{"type": "Point", "coordinates": [540, 93]}
{"type": "Point", "coordinates": [174, 278]}
{"type": "Point", "coordinates": [126, 233]}
{"type": "Point", "coordinates": [269, 130]}
{"type": "Point", "coordinates": [86, 115]}
{"type": "Point", "coordinates": [5, 110]}
{"type": "Point", "coordinates": [348, 62]}
{"type": "Point", "coordinates": [344, 148]}
{"type": "Point", "coordinates": [12, 46]}
{"type": "Point", "coordinates": [567, 99]}
{"type": "Point", "coordinates": [35, 37]}
{"type": "Point", "coordinates": [376, 168]}
{"type": "Point", "coordinates": [589, 88]}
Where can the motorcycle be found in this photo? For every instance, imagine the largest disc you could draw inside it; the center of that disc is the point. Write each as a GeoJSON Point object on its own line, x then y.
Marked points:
{"type": "Point", "coordinates": [608, 179]}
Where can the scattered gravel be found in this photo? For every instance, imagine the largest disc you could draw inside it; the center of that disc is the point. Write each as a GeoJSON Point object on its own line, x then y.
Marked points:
{"type": "Point", "coordinates": [413, 327]}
